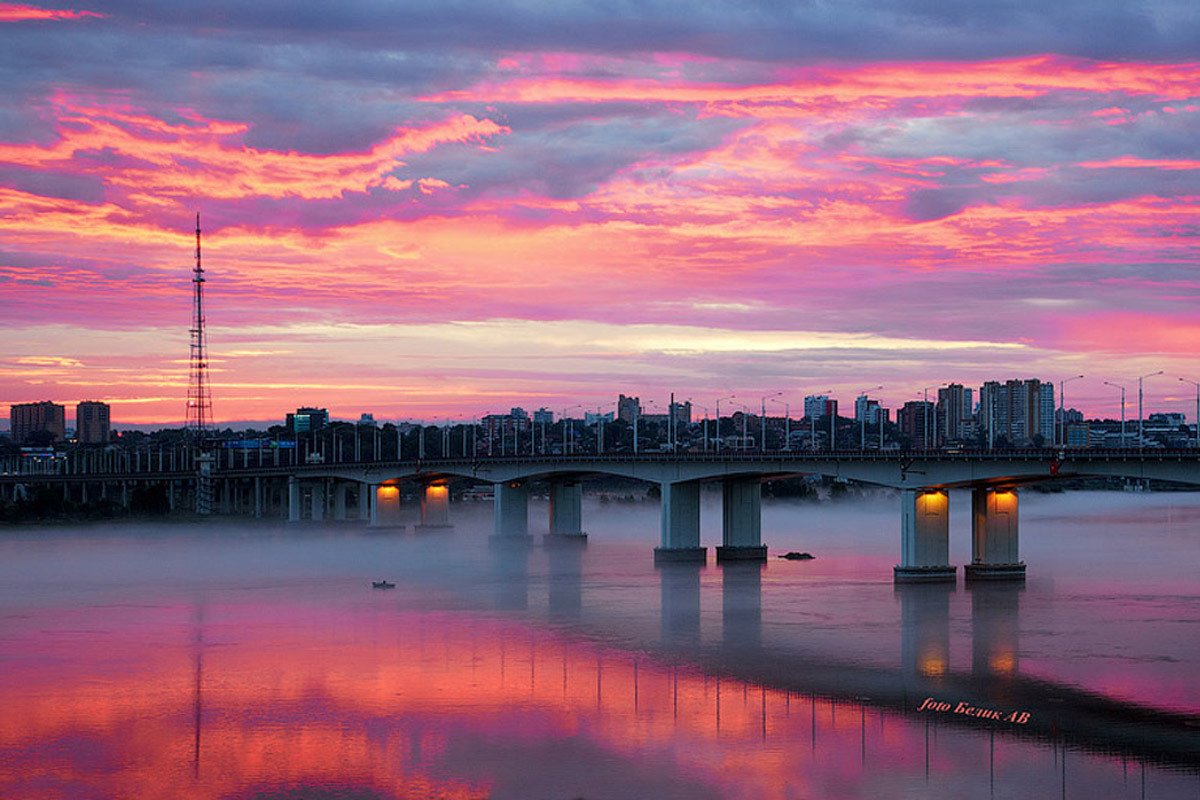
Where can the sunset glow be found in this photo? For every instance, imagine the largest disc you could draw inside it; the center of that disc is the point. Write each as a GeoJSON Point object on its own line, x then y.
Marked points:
{"type": "Point", "coordinates": [404, 220]}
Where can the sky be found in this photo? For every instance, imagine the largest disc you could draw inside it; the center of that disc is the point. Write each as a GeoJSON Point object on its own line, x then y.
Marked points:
{"type": "Point", "coordinates": [436, 210]}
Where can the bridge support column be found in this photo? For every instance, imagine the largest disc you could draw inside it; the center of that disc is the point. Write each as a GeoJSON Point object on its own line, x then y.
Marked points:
{"type": "Point", "coordinates": [366, 513]}
{"type": "Point", "coordinates": [994, 539]}
{"type": "Point", "coordinates": [435, 508]}
{"type": "Point", "coordinates": [512, 513]}
{"type": "Point", "coordinates": [680, 515]}
{"type": "Point", "coordinates": [742, 521]}
{"type": "Point", "coordinates": [258, 497]}
{"type": "Point", "coordinates": [566, 513]}
{"type": "Point", "coordinates": [318, 501]}
{"type": "Point", "coordinates": [339, 500]}
{"type": "Point", "coordinates": [383, 503]}
{"type": "Point", "coordinates": [924, 537]}
{"type": "Point", "coordinates": [293, 499]}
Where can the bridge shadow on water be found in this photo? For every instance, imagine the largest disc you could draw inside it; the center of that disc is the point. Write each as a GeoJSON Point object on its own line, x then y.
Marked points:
{"type": "Point", "coordinates": [992, 697]}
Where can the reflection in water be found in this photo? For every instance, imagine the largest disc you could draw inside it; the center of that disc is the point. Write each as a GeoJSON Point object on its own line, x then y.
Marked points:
{"type": "Point", "coordinates": [995, 628]}
{"type": "Point", "coordinates": [680, 587]}
{"type": "Point", "coordinates": [250, 682]}
{"type": "Point", "coordinates": [565, 579]}
{"type": "Point", "coordinates": [924, 631]}
{"type": "Point", "coordinates": [510, 573]}
{"type": "Point", "coordinates": [741, 604]}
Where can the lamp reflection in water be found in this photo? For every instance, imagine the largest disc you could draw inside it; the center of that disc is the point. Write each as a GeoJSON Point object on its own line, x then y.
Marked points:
{"type": "Point", "coordinates": [924, 631]}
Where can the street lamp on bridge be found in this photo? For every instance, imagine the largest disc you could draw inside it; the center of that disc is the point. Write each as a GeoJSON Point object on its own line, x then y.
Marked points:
{"type": "Point", "coordinates": [863, 419]}
{"type": "Point", "coordinates": [1062, 408]}
{"type": "Point", "coordinates": [1197, 420]}
{"type": "Point", "coordinates": [568, 436]}
{"type": "Point", "coordinates": [812, 421]}
{"type": "Point", "coordinates": [925, 437]}
{"type": "Point", "coordinates": [719, 399]}
{"type": "Point", "coordinates": [762, 427]}
{"type": "Point", "coordinates": [1122, 388]}
{"type": "Point", "coordinates": [787, 423]}
{"type": "Point", "coordinates": [1141, 417]}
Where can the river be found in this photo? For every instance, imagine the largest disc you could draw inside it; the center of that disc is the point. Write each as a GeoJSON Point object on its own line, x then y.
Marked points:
{"type": "Point", "coordinates": [253, 660]}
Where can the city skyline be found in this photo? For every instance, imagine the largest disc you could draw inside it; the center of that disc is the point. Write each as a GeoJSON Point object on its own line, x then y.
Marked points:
{"type": "Point", "coordinates": [429, 211]}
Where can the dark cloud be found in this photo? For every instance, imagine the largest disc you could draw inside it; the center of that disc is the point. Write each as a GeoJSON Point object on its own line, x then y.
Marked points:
{"type": "Point", "coordinates": [852, 29]}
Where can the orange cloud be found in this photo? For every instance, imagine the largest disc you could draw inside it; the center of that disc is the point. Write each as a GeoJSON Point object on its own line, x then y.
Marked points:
{"type": "Point", "coordinates": [1013, 78]}
{"type": "Point", "coordinates": [203, 158]}
{"type": "Point", "coordinates": [12, 12]}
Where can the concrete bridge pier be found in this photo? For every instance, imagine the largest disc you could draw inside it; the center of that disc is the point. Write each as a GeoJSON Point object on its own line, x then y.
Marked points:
{"type": "Point", "coordinates": [924, 537]}
{"type": "Point", "coordinates": [512, 514]}
{"type": "Point", "coordinates": [258, 497]}
{"type": "Point", "coordinates": [994, 539]}
{"type": "Point", "coordinates": [318, 501]}
{"type": "Point", "coordinates": [741, 538]}
{"type": "Point", "coordinates": [339, 500]}
{"type": "Point", "coordinates": [435, 508]}
{"type": "Point", "coordinates": [680, 515]}
{"type": "Point", "coordinates": [566, 513]}
{"type": "Point", "coordinates": [294, 492]}
{"type": "Point", "coordinates": [383, 505]}
{"type": "Point", "coordinates": [366, 503]}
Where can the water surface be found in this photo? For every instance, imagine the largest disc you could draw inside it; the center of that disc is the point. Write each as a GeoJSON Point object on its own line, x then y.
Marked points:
{"type": "Point", "coordinates": [256, 661]}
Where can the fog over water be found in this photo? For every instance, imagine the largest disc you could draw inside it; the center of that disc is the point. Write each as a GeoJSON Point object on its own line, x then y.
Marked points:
{"type": "Point", "coordinates": [241, 659]}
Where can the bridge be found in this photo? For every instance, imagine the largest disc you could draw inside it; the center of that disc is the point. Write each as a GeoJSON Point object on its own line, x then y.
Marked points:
{"type": "Point", "coordinates": [262, 486]}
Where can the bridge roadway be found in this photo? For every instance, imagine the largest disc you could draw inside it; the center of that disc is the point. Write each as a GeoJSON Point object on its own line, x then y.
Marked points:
{"type": "Point", "coordinates": [923, 478]}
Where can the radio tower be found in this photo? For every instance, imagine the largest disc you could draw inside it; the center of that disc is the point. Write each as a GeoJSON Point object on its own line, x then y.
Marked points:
{"type": "Point", "coordinates": [199, 406]}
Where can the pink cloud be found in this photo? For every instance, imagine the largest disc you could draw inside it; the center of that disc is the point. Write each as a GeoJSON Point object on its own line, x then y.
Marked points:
{"type": "Point", "coordinates": [15, 12]}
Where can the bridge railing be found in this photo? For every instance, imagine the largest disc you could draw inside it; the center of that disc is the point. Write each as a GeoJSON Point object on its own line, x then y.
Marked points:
{"type": "Point", "coordinates": [184, 460]}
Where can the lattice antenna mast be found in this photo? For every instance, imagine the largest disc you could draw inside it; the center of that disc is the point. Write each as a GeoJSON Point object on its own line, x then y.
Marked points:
{"type": "Point", "coordinates": [199, 407]}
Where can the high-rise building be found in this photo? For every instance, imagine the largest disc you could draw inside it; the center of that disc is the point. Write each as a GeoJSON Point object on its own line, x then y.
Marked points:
{"type": "Point", "coordinates": [26, 419]}
{"type": "Point", "coordinates": [628, 408]}
{"type": "Point", "coordinates": [866, 409]}
{"type": "Point", "coordinates": [543, 416]}
{"type": "Point", "coordinates": [307, 419]}
{"type": "Point", "coordinates": [1019, 412]}
{"type": "Point", "coordinates": [916, 419]}
{"type": "Point", "coordinates": [819, 405]}
{"type": "Point", "coordinates": [955, 413]}
{"type": "Point", "coordinates": [92, 422]}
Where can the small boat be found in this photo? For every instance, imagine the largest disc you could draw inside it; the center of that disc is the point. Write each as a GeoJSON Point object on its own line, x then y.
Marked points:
{"type": "Point", "coordinates": [382, 585]}
{"type": "Point", "coordinates": [794, 556]}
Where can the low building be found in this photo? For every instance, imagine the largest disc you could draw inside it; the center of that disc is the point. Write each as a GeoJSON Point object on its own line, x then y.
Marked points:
{"type": "Point", "coordinates": [307, 419]}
